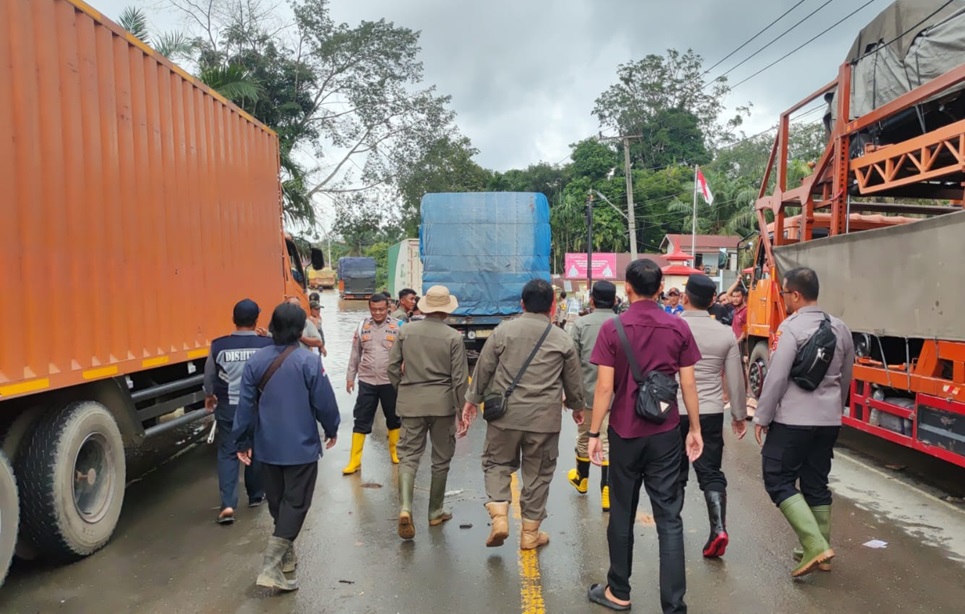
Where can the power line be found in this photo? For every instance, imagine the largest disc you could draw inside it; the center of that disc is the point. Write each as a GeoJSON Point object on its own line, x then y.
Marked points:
{"type": "Point", "coordinates": [753, 38]}
{"type": "Point", "coordinates": [808, 42]}
{"type": "Point", "coordinates": [774, 40]}
{"type": "Point", "coordinates": [911, 29]}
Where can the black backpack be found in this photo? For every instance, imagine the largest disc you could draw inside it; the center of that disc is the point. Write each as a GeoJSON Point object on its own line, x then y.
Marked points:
{"type": "Point", "coordinates": [814, 357]}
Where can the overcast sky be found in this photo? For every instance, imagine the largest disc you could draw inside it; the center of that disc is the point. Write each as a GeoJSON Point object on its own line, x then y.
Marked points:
{"type": "Point", "coordinates": [523, 74]}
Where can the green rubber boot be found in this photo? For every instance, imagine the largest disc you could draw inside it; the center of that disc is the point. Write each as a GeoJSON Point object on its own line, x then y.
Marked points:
{"type": "Point", "coordinates": [437, 498]}
{"type": "Point", "coordinates": [406, 486]}
{"type": "Point", "coordinates": [822, 514]}
{"type": "Point", "coordinates": [271, 575]}
{"type": "Point", "coordinates": [815, 548]}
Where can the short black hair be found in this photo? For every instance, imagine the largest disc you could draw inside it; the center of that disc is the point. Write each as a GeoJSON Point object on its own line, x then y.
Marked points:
{"type": "Point", "coordinates": [287, 324]}
{"type": "Point", "coordinates": [804, 281]}
{"type": "Point", "coordinates": [604, 294]}
{"type": "Point", "coordinates": [378, 297]}
{"type": "Point", "coordinates": [538, 296]}
{"type": "Point", "coordinates": [644, 276]}
{"type": "Point", "coordinates": [563, 294]}
{"type": "Point", "coordinates": [741, 289]}
{"type": "Point", "coordinates": [404, 292]}
{"type": "Point", "coordinates": [314, 296]}
{"type": "Point", "coordinates": [702, 303]}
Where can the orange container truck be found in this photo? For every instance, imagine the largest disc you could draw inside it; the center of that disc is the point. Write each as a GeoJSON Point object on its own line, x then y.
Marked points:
{"type": "Point", "coordinates": [138, 207]}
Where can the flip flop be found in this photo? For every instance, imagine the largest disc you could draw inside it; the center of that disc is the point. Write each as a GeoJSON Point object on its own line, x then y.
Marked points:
{"type": "Point", "coordinates": [597, 594]}
{"type": "Point", "coordinates": [226, 518]}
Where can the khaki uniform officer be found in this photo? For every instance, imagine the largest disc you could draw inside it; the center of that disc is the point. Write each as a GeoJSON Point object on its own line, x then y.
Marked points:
{"type": "Point", "coordinates": [528, 433]}
{"type": "Point", "coordinates": [429, 369]}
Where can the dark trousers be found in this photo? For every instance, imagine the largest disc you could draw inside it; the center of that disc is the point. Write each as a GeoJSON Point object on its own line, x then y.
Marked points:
{"type": "Point", "coordinates": [653, 462]}
{"type": "Point", "coordinates": [368, 401]}
{"type": "Point", "coordinates": [707, 466]}
{"type": "Point", "coordinates": [228, 468]}
{"type": "Point", "coordinates": [798, 453]}
{"type": "Point", "coordinates": [289, 489]}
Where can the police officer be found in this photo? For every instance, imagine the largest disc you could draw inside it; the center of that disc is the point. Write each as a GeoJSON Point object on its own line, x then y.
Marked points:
{"type": "Point", "coordinates": [222, 381]}
{"type": "Point", "coordinates": [802, 425]}
{"type": "Point", "coordinates": [431, 388]}
{"type": "Point", "coordinates": [584, 333]}
{"type": "Point", "coordinates": [407, 301]}
{"type": "Point", "coordinates": [527, 435]}
{"type": "Point", "coordinates": [719, 353]}
{"type": "Point", "coordinates": [369, 362]}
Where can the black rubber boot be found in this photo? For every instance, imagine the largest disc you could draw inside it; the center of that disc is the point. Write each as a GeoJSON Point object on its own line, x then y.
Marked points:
{"type": "Point", "coordinates": [717, 514]}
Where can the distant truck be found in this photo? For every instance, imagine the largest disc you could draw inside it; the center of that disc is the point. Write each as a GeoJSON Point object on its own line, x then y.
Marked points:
{"type": "Point", "coordinates": [484, 246]}
{"type": "Point", "coordinates": [140, 206]}
{"type": "Point", "coordinates": [405, 267]}
{"type": "Point", "coordinates": [356, 278]}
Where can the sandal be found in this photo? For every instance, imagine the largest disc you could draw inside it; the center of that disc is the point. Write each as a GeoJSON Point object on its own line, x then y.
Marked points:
{"type": "Point", "coordinates": [597, 594]}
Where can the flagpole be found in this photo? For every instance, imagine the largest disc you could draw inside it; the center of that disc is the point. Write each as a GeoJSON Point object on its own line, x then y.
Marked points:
{"type": "Point", "coordinates": [693, 227]}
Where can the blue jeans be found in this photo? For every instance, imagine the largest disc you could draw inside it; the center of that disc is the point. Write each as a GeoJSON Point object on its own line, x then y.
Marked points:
{"type": "Point", "coordinates": [228, 467]}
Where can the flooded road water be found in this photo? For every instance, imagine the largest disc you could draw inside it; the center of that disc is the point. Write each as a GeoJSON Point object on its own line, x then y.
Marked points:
{"type": "Point", "coordinates": [168, 556]}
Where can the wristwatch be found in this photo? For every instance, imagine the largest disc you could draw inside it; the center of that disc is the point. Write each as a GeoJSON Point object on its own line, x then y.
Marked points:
{"type": "Point", "coordinates": [592, 434]}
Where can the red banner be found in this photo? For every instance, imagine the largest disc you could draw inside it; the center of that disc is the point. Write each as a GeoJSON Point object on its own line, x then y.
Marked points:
{"type": "Point", "coordinates": [604, 266]}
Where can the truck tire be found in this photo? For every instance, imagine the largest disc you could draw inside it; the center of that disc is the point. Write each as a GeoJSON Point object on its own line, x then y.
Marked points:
{"type": "Point", "coordinates": [72, 474]}
{"type": "Point", "coordinates": [757, 369]}
{"type": "Point", "coordinates": [9, 516]}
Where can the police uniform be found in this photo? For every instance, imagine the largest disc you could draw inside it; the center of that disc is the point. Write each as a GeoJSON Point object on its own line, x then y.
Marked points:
{"type": "Point", "coordinates": [528, 434]}
{"type": "Point", "coordinates": [431, 388]}
{"type": "Point", "coordinates": [369, 363]}
{"type": "Point", "coordinates": [803, 427]}
{"type": "Point", "coordinates": [719, 354]}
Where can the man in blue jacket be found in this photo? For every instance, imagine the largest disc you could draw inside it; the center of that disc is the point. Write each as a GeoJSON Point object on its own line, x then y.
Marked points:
{"type": "Point", "coordinates": [222, 381]}
{"type": "Point", "coordinates": [284, 392]}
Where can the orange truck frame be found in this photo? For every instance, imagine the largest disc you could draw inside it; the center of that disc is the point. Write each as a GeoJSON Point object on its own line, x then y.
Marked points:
{"type": "Point", "coordinates": [909, 386]}
{"type": "Point", "coordinates": [138, 207]}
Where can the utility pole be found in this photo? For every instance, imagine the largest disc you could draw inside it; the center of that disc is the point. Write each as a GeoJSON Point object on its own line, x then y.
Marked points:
{"type": "Point", "coordinates": [631, 218]}
{"type": "Point", "coordinates": [589, 244]}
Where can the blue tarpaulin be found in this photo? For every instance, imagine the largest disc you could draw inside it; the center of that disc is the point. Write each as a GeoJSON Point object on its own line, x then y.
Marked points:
{"type": "Point", "coordinates": [484, 247]}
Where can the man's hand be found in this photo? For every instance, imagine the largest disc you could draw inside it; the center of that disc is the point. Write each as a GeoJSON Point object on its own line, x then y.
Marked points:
{"type": "Point", "coordinates": [245, 457]}
{"type": "Point", "coordinates": [579, 417]}
{"type": "Point", "coordinates": [349, 386]}
{"type": "Point", "coordinates": [694, 446]}
{"type": "Point", "coordinates": [469, 412]}
{"type": "Point", "coordinates": [261, 331]}
{"type": "Point", "coordinates": [759, 433]}
{"type": "Point", "coordinates": [740, 427]}
{"type": "Point", "coordinates": [324, 351]}
{"type": "Point", "coordinates": [330, 443]}
{"type": "Point", "coordinates": [594, 449]}
{"type": "Point", "coordinates": [210, 402]}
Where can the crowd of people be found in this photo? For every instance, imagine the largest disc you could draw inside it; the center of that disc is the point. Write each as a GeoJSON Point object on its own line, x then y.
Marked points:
{"type": "Point", "coordinates": [645, 385]}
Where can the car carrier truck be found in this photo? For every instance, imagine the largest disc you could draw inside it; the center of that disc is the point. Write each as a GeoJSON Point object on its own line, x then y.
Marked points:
{"type": "Point", "coordinates": [138, 207]}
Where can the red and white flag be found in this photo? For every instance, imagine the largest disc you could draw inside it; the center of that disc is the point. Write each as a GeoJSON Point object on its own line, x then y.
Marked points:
{"type": "Point", "coordinates": [703, 189]}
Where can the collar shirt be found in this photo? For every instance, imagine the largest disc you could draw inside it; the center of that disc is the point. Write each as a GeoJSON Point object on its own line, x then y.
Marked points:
{"type": "Point", "coordinates": [739, 323]}
{"type": "Point", "coordinates": [784, 401]}
{"type": "Point", "coordinates": [661, 342]}
{"type": "Point", "coordinates": [536, 404]}
{"type": "Point", "coordinates": [370, 351]}
{"type": "Point", "coordinates": [584, 332]}
{"type": "Point", "coordinates": [674, 311]}
{"type": "Point", "coordinates": [226, 363]}
{"type": "Point", "coordinates": [428, 366]}
{"type": "Point", "coordinates": [719, 354]}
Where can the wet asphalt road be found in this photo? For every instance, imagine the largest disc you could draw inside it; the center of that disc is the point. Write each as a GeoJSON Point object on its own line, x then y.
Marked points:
{"type": "Point", "coordinates": [168, 555]}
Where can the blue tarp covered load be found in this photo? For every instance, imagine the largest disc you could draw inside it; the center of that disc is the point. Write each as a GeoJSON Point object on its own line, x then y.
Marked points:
{"type": "Point", "coordinates": [356, 267]}
{"type": "Point", "coordinates": [484, 247]}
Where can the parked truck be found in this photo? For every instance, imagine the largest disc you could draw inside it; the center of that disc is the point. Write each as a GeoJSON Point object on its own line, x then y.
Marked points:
{"type": "Point", "coordinates": [484, 246]}
{"type": "Point", "coordinates": [139, 207]}
{"type": "Point", "coordinates": [881, 222]}
{"type": "Point", "coordinates": [356, 278]}
{"type": "Point", "coordinates": [405, 267]}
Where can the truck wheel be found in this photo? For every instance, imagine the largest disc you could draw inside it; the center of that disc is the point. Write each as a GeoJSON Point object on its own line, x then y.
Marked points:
{"type": "Point", "coordinates": [757, 369]}
{"type": "Point", "coordinates": [9, 516]}
{"type": "Point", "coordinates": [72, 474]}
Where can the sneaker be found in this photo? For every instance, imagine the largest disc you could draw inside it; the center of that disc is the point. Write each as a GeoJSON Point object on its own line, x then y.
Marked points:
{"type": "Point", "coordinates": [256, 501]}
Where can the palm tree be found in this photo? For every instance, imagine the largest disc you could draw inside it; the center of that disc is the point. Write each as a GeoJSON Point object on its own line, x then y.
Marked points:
{"type": "Point", "coordinates": [134, 21]}
{"type": "Point", "coordinates": [233, 81]}
{"type": "Point", "coordinates": [170, 44]}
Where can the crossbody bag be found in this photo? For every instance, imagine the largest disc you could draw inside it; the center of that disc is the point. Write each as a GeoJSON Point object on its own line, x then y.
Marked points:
{"type": "Point", "coordinates": [494, 407]}
{"type": "Point", "coordinates": [656, 392]}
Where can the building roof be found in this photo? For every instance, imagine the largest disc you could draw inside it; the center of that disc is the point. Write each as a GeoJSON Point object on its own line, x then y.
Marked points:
{"type": "Point", "coordinates": [704, 242]}
{"type": "Point", "coordinates": [680, 270]}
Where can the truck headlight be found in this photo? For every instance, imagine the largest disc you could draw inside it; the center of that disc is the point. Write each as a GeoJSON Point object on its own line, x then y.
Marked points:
{"type": "Point", "coordinates": [471, 335]}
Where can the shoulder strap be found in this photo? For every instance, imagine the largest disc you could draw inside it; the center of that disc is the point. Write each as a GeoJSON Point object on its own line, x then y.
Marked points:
{"type": "Point", "coordinates": [628, 350]}
{"type": "Point", "coordinates": [525, 366]}
{"type": "Point", "coordinates": [274, 366]}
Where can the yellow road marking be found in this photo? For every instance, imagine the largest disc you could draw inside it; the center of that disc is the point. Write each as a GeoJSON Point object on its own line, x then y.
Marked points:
{"type": "Point", "coordinates": [100, 372]}
{"type": "Point", "coordinates": [530, 582]}
{"type": "Point", "coordinates": [28, 386]}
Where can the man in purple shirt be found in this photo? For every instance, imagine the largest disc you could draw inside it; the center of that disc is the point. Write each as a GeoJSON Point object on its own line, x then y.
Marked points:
{"type": "Point", "coordinates": [660, 342]}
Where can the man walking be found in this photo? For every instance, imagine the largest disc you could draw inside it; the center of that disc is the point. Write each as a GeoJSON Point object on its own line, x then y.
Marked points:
{"type": "Point", "coordinates": [584, 333]}
{"type": "Point", "coordinates": [800, 411]}
{"type": "Point", "coordinates": [222, 382]}
{"type": "Point", "coordinates": [528, 363]}
{"type": "Point", "coordinates": [719, 354]}
{"type": "Point", "coordinates": [644, 452]}
{"type": "Point", "coordinates": [428, 367]}
{"type": "Point", "coordinates": [407, 301]}
{"type": "Point", "coordinates": [369, 362]}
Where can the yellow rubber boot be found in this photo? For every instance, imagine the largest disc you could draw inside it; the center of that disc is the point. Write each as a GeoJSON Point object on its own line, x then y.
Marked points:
{"type": "Point", "coordinates": [605, 486]}
{"type": "Point", "coordinates": [355, 460]}
{"type": "Point", "coordinates": [579, 477]}
{"type": "Point", "coordinates": [394, 444]}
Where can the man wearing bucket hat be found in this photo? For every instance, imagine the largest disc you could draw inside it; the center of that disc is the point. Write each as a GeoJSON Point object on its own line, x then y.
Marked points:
{"type": "Point", "coordinates": [429, 368]}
